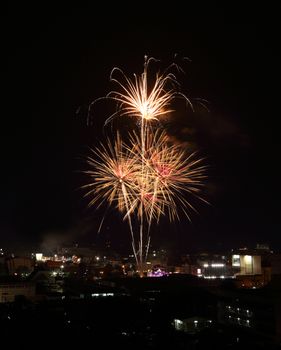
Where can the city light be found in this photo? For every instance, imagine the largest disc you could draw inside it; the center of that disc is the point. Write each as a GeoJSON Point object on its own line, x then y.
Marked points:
{"type": "Point", "coordinates": [248, 259]}
{"type": "Point", "coordinates": [38, 256]}
{"type": "Point", "coordinates": [236, 260]}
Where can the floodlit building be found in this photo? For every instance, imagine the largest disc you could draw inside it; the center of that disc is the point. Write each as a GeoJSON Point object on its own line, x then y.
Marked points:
{"type": "Point", "coordinates": [249, 269]}
{"type": "Point", "coordinates": [247, 264]}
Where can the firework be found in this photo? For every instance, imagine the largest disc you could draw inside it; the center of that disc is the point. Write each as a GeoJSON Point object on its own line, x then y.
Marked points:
{"type": "Point", "coordinates": [169, 176]}
{"type": "Point", "coordinates": [113, 170]}
{"type": "Point", "coordinates": [144, 185]}
{"type": "Point", "coordinates": [148, 177]}
{"type": "Point", "coordinates": [143, 99]}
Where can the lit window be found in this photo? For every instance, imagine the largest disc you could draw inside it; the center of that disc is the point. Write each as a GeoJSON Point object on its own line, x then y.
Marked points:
{"type": "Point", "coordinates": [235, 260]}
{"type": "Point", "coordinates": [217, 265]}
{"type": "Point", "coordinates": [178, 324]}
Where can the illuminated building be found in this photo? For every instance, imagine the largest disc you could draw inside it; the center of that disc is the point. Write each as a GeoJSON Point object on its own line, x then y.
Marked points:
{"type": "Point", "coordinates": [213, 267]}
{"type": "Point", "coordinates": [248, 269]}
{"type": "Point", "coordinates": [191, 325]}
{"type": "Point", "coordinates": [256, 311]}
{"type": "Point", "coordinates": [247, 264]}
{"type": "Point", "coordinates": [250, 265]}
{"type": "Point", "coordinates": [157, 272]}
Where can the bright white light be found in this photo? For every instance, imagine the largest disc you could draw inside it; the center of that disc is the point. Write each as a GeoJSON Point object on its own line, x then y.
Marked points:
{"type": "Point", "coordinates": [198, 271]}
{"type": "Point", "coordinates": [39, 256]}
{"type": "Point", "coordinates": [248, 259]}
{"type": "Point", "coordinates": [222, 276]}
{"type": "Point", "coordinates": [62, 267]}
{"type": "Point", "coordinates": [195, 321]}
{"type": "Point", "coordinates": [178, 322]}
{"type": "Point", "coordinates": [206, 265]}
{"type": "Point", "coordinates": [97, 258]}
{"type": "Point", "coordinates": [102, 295]}
{"type": "Point", "coordinates": [217, 265]}
{"type": "Point", "coordinates": [235, 260]}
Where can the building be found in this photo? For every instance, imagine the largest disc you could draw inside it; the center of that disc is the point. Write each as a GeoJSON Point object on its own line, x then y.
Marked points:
{"type": "Point", "coordinates": [253, 268]}
{"type": "Point", "coordinates": [191, 325]}
{"type": "Point", "coordinates": [9, 291]}
{"type": "Point", "coordinates": [248, 264]}
{"type": "Point", "coordinates": [19, 265]}
{"type": "Point", "coordinates": [254, 311]}
{"type": "Point", "coordinates": [213, 266]}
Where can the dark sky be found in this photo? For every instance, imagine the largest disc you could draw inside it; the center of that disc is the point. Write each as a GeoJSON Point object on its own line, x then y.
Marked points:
{"type": "Point", "coordinates": [55, 61]}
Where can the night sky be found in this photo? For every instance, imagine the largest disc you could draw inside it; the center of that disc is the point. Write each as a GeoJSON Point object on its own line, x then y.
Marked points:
{"type": "Point", "coordinates": [55, 61]}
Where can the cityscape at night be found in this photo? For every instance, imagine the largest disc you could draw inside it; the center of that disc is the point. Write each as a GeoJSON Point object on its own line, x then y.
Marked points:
{"type": "Point", "coordinates": [139, 180]}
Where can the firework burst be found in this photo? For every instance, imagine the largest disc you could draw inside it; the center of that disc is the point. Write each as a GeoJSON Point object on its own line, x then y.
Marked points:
{"type": "Point", "coordinates": [150, 176]}
{"type": "Point", "coordinates": [161, 181]}
{"type": "Point", "coordinates": [113, 171]}
{"type": "Point", "coordinates": [171, 176]}
{"type": "Point", "coordinates": [143, 99]}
